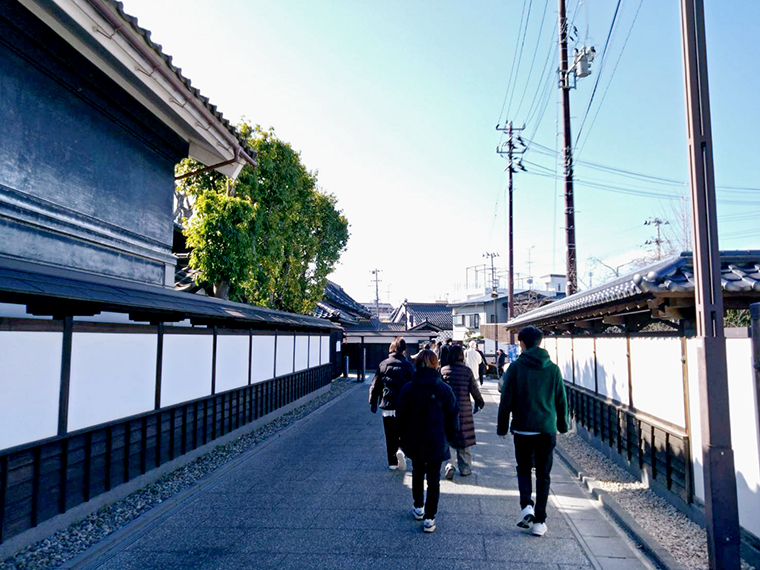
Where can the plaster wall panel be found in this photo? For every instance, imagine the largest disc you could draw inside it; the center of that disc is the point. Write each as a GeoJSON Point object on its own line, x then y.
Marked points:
{"type": "Point", "coordinates": [302, 353]}
{"type": "Point", "coordinates": [262, 358]}
{"type": "Point", "coordinates": [612, 368]}
{"type": "Point", "coordinates": [30, 381]}
{"type": "Point", "coordinates": [565, 358]}
{"type": "Point", "coordinates": [186, 367]}
{"type": "Point", "coordinates": [326, 349]}
{"type": "Point", "coordinates": [284, 356]}
{"type": "Point", "coordinates": [583, 361]}
{"type": "Point", "coordinates": [657, 378]}
{"type": "Point", "coordinates": [695, 418]}
{"type": "Point", "coordinates": [742, 400]}
{"type": "Point", "coordinates": [112, 376]}
{"type": "Point", "coordinates": [315, 351]}
{"type": "Point", "coordinates": [550, 344]}
{"type": "Point", "coordinates": [231, 362]}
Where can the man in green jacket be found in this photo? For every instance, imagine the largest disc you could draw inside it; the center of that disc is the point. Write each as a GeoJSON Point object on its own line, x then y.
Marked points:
{"type": "Point", "coordinates": [534, 395]}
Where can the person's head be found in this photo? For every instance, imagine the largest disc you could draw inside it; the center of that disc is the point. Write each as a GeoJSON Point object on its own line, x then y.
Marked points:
{"type": "Point", "coordinates": [499, 351]}
{"type": "Point", "coordinates": [438, 344]}
{"type": "Point", "coordinates": [398, 345]}
{"type": "Point", "coordinates": [427, 346]}
{"type": "Point", "coordinates": [473, 344]}
{"type": "Point", "coordinates": [448, 341]}
{"type": "Point", "coordinates": [456, 354]}
{"type": "Point", "coordinates": [426, 359]}
{"type": "Point", "coordinates": [530, 337]}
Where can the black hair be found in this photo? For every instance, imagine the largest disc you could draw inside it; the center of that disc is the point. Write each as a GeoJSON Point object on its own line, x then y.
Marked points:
{"type": "Point", "coordinates": [456, 353]}
{"type": "Point", "coordinates": [398, 345]}
{"type": "Point", "coordinates": [531, 336]}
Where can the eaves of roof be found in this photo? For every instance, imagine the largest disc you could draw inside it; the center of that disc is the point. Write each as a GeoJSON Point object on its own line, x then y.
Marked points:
{"type": "Point", "coordinates": [671, 277]}
{"type": "Point", "coordinates": [58, 291]}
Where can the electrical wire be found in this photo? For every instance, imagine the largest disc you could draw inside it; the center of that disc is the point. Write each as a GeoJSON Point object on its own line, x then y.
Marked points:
{"type": "Point", "coordinates": [601, 68]}
{"type": "Point", "coordinates": [533, 61]}
{"type": "Point", "coordinates": [612, 75]}
{"type": "Point", "coordinates": [519, 57]}
{"type": "Point", "coordinates": [511, 72]}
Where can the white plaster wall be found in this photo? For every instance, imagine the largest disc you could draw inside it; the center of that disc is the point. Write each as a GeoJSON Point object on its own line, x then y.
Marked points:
{"type": "Point", "coordinates": [325, 359]}
{"type": "Point", "coordinates": [657, 378]}
{"type": "Point", "coordinates": [262, 358]}
{"type": "Point", "coordinates": [584, 363]}
{"type": "Point", "coordinates": [30, 381]}
{"type": "Point", "coordinates": [231, 362]}
{"type": "Point", "coordinates": [550, 344]}
{"type": "Point", "coordinates": [112, 376]}
{"type": "Point", "coordinates": [302, 353]}
{"type": "Point", "coordinates": [612, 368]}
{"type": "Point", "coordinates": [186, 370]}
{"type": "Point", "coordinates": [284, 355]}
{"type": "Point", "coordinates": [565, 358]}
{"type": "Point", "coordinates": [315, 351]}
{"type": "Point", "coordinates": [695, 418]}
{"type": "Point", "coordinates": [744, 431]}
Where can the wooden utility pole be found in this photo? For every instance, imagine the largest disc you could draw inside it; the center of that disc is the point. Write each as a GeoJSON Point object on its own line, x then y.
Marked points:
{"type": "Point", "coordinates": [564, 83]}
{"type": "Point", "coordinates": [512, 149]}
{"type": "Point", "coordinates": [721, 511]}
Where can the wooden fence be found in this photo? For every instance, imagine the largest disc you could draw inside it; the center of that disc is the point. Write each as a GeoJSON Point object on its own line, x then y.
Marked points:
{"type": "Point", "coordinates": [48, 477]}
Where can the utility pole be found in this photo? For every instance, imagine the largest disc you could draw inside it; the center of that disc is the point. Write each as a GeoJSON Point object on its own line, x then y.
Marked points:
{"type": "Point", "coordinates": [564, 83]}
{"type": "Point", "coordinates": [494, 282]}
{"type": "Point", "coordinates": [656, 222]}
{"type": "Point", "coordinates": [511, 151]}
{"type": "Point", "coordinates": [721, 510]}
{"type": "Point", "coordinates": [376, 273]}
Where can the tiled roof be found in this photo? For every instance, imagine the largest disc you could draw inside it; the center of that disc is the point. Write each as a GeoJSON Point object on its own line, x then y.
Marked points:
{"type": "Point", "coordinates": [336, 299]}
{"type": "Point", "coordinates": [438, 314]}
{"type": "Point", "coordinates": [740, 275]}
{"type": "Point", "coordinates": [375, 325]}
{"type": "Point", "coordinates": [59, 289]}
{"type": "Point", "coordinates": [145, 34]}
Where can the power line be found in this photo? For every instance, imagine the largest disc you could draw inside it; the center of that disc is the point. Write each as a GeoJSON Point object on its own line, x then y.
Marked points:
{"type": "Point", "coordinates": [519, 57]}
{"type": "Point", "coordinates": [511, 72]}
{"type": "Point", "coordinates": [533, 61]}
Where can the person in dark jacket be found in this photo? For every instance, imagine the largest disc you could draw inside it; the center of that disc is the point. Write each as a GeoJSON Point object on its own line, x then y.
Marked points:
{"type": "Point", "coordinates": [428, 419]}
{"type": "Point", "coordinates": [391, 375]}
{"type": "Point", "coordinates": [445, 349]}
{"type": "Point", "coordinates": [534, 396]}
{"type": "Point", "coordinates": [459, 376]}
{"type": "Point", "coordinates": [501, 361]}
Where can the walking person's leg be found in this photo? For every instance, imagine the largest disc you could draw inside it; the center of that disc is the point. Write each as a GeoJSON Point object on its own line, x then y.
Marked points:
{"type": "Point", "coordinates": [464, 461]}
{"type": "Point", "coordinates": [391, 440]}
{"type": "Point", "coordinates": [524, 458]}
{"type": "Point", "coordinates": [418, 485]}
{"type": "Point", "coordinates": [433, 476]}
{"type": "Point", "coordinates": [544, 455]}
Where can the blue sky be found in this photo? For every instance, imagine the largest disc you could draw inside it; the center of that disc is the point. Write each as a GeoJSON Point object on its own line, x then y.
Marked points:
{"type": "Point", "coordinates": [395, 105]}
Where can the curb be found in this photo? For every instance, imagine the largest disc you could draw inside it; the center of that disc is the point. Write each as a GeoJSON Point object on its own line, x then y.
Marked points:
{"type": "Point", "coordinates": [649, 545]}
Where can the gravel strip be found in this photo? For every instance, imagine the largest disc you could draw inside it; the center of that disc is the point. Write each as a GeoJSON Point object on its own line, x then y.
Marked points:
{"type": "Point", "coordinates": [685, 540]}
{"type": "Point", "coordinates": [78, 537]}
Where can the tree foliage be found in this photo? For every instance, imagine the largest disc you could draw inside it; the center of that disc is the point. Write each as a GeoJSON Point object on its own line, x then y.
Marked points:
{"type": "Point", "coordinates": [271, 237]}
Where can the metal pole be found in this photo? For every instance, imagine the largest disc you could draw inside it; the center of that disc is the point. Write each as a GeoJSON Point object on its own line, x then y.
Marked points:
{"type": "Point", "coordinates": [572, 272]}
{"type": "Point", "coordinates": [723, 539]}
{"type": "Point", "coordinates": [511, 290]}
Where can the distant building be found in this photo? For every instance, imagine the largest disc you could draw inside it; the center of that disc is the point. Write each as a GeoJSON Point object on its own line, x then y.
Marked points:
{"type": "Point", "coordinates": [437, 315]}
{"type": "Point", "coordinates": [554, 282]}
{"type": "Point", "coordinates": [385, 310]}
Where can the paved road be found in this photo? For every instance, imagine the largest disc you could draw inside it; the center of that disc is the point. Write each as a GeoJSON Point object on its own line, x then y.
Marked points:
{"type": "Point", "coordinates": [319, 495]}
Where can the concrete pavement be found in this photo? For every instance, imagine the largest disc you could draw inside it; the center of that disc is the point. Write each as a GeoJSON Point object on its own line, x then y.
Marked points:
{"type": "Point", "coordinates": [319, 495]}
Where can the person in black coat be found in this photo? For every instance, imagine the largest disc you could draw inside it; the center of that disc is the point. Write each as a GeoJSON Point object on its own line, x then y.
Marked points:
{"type": "Point", "coordinates": [391, 376]}
{"type": "Point", "coordinates": [445, 350]}
{"type": "Point", "coordinates": [428, 419]}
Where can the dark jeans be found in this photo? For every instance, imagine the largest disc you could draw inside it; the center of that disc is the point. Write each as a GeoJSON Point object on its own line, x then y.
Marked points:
{"type": "Point", "coordinates": [432, 471]}
{"type": "Point", "coordinates": [538, 451]}
{"type": "Point", "coordinates": [391, 438]}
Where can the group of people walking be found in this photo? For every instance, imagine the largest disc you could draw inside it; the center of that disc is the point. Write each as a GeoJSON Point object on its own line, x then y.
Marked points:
{"type": "Point", "coordinates": [428, 405]}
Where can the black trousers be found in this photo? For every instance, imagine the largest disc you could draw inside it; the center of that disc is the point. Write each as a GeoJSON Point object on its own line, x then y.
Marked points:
{"type": "Point", "coordinates": [391, 438]}
{"type": "Point", "coordinates": [538, 451]}
{"type": "Point", "coordinates": [430, 470]}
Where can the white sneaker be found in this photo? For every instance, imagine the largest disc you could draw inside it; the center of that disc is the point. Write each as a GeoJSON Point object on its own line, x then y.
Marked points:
{"type": "Point", "coordinates": [401, 458]}
{"type": "Point", "coordinates": [539, 529]}
{"type": "Point", "coordinates": [419, 513]}
{"type": "Point", "coordinates": [428, 525]}
{"type": "Point", "coordinates": [392, 467]}
{"type": "Point", "coordinates": [526, 517]}
{"type": "Point", "coordinates": [448, 471]}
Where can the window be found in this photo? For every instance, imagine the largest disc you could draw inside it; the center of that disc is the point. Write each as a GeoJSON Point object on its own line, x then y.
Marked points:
{"type": "Point", "coordinates": [459, 320]}
{"type": "Point", "coordinates": [473, 321]}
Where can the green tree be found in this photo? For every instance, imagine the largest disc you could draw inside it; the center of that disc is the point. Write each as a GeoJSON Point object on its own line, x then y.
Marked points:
{"type": "Point", "coordinates": [281, 235]}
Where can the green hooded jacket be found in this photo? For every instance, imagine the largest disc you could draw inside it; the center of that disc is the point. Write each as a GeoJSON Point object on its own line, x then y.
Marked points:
{"type": "Point", "coordinates": [534, 395]}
